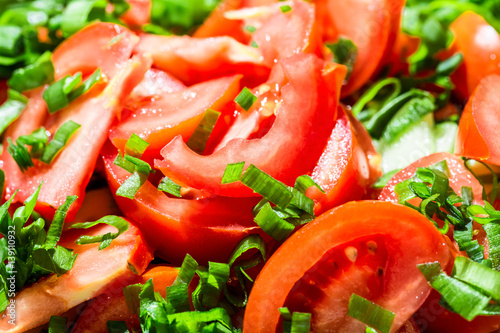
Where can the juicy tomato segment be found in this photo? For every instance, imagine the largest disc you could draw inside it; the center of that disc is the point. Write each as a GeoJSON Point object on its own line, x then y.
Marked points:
{"type": "Point", "coordinates": [479, 43]}
{"type": "Point", "coordinates": [138, 13]}
{"type": "Point", "coordinates": [206, 228]}
{"type": "Point", "coordinates": [94, 111]}
{"type": "Point", "coordinates": [374, 232]}
{"type": "Point", "coordinates": [291, 148]}
{"type": "Point", "coordinates": [94, 270]}
{"type": "Point", "coordinates": [193, 60]}
{"type": "Point", "coordinates": [155, 82]}
{"type": "Point", "coordinates": [160, 118]}
{"type": "Point", "coordinates": [373, 29]}
{"type": "Point", "coordinates": [478, 128]}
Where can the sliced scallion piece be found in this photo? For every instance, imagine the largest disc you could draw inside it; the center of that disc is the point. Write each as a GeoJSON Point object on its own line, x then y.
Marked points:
{"type": "Point", "coordinates": [272, 224]}
{"type": "Point", "coordinates": [198, 140]}
{"type": "Point", "coordinates": [477, 275]}
{"type": "Point", "coordinates": [245, 99]}
{"type": "Point", "coordinates": [57, 324]}
{"type": "Point", "coordinates": [11, 109]}
{"type": "Point", "coordinates": [117, 327]}
{"type": "Point", "coordinates": [344, 52]}
{"type": "Point", "coordinates": [33, 76]}
{"type": "Point", "coordinates": [370, 313]}
{"type": "Point", "coordinates": [105, 240]}
{"type": "Point", "coordinates": [233, 172]}
{"type": "Point", "coordinates": [20, 154]}
{"type": "Point", "coordinates": [265, 185]}
{"type": "Point", "coordinates": [169, 186]}
{"type": "Point", "coordinates": [61, 138]}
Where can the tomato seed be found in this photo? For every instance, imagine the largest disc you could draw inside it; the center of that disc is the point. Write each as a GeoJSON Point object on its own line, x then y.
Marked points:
{"type": "Point", "coordinates": [352, 253]}
{"type": "Point", "coordinates": [372, 247]}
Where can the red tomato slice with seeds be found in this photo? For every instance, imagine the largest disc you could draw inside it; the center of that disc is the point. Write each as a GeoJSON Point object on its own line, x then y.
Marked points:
{"type": "Point", "coordinates": [289, 149]}
{"type": "Point", "coordinates": [95, 111]}
{"type": "Point", "coordinates": [478, 129]}
{"type": "Point", "coordinates": [206, 228]}
{"type": "Point", "coordinates": [370, 248]}
{"type": "Point", "coordinates": [162, 117]}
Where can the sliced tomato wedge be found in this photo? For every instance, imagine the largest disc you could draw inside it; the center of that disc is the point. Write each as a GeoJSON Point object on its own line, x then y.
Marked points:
{"type": "Point", "coordinates": [477, 132]}
{"type": "Point", "coordinates": [343, 170]}
{"type": "Point", "coordinates": [372, 27]}
{"type": "Point", "coordinates": [93, 271]}
{"type": "Point", "coordinates": [206, 228]}
{"type": "Point", "coordinates": [111, 305]}
{"type": "Point", "coordinates": [160, 118]}
{"type": "Point", "coordinates": [193, 60]}
{"type": "Point", "coordinates": [291, 148]}
{"type": "Point", "coordinates": [370, 248]}
{"type": "Point", "coordinates": [95, 112]}
{"type": "Point", "coordinates": [479, 43]}
{"type": "Point", "coordinates": [138, 13]}
{"type": "Point", "coordinates": [156, 82]}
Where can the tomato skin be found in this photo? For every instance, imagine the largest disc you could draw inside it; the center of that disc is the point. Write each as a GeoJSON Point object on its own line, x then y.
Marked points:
{"type": "Point", "coordinates": [373, 29]}
{"type": "Point", "coordinates": [206, 228]}
{"type": "Point", "coordinates": [160, 118]}
{"type": "Point", "coordinates": [194, 60]}
{"type": "Point", "coordinates": [393, 223]}
{"type": "Point", "coordinates": [479, 43]}
{"type": "Point", "coordinates": [477, 131]}
{"type": "Point", "coordinates": [308, 111]}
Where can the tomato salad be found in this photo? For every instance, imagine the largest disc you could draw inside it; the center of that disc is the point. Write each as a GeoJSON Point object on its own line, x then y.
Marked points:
{"type": "Point", "coordinates": [249, 166]}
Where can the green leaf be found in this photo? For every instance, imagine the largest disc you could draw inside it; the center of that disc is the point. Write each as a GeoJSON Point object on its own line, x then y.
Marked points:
{"type": "Point", "coordinates": [33, 76]}
{"type": "Point", "coordinates": [58, 260]}
{"type": "Point", "coordinates": [131, 185]}
{"type": "Point", "coordinates": [272, 224]}
{"type": "Point", "coordinates": [61, 138]}
{"type": "Point", "coordinates": [345, 52]}
{"type": "Point", "coordinates": [135, 146]}
{"type": "Point", "coordinates": [198, 140]}
{"type": "Point", "coordinates": [20, 154]}
{"type": "Point", "coordinates": [245, 99]}
{"type": "Point", "coordinates": [169, 186]}
{"type": "Point", "coordinates": [477, 275]}
{"type": "Point", "coordinates": [370, 313]}
{"type": "Point", "coordinates": [233, 173]}
{"type": "Point", "coordinates": [57, 324]}
{"type": "Point", "coordinates": [119, 223]}
{"type": "Point", "coordinates": [55, 230]}
{"type": "Point", "coordinates": [10, 110]}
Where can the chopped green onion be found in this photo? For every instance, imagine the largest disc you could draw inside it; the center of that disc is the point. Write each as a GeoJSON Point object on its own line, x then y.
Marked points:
{"type": "Point", "coordinates": [304, 182]}
{"type": "Point", "coordinates": [139, 165]}
{"type": "Point", "coordinates": [56, 95]}
{"type": "Point", "coordinates": [131, 185]}
{"type": "Point", "coordinates": [301, 201]}
{"type": "Point", "coordinates": [178, 297]}
{"type": "Point", "coordinates": [460, 297]}
{"type": "Point", "coordinates": [382, 181]}
{"type": "Point", "coordinates": [493, 235]}
{"type": "Point", "coordinates": [187, 271]}
{"type": "Point", "coordinates": [20, 154]}
{"type": "Point", "coordinates": [56, 227]}
{"type": "Point", "coordinates": [57, 324]}
{"type": "Point", "coordinates": [37, 140]}
{"type": "Point", "coordinates": [376, 97]}
{"type": "Point", "coordinates": [245, 99]}
{"type": "Point", "coordinates": [272, 224]}
{"type": "Point", "coordinates": [11, 109]}
{"type": "Point", "coordinates": [345, 53]}
{"type": "Point", "coordinates": [298, 322]}
{"type": "Point", "coordinates": [448, 66]}
{"type": "Point", "coordinates": [285, 8]}
{"type": "Point", "coordinates": [35, 75]}
{"type": "Point", "coordinates": [477, 275]}
{"type": "Point", "coordinates": [136, 146]}
{"type": "Point", "coordinates": [254, 44]}
{"type": "Point", "coordinates": [120, 224]}
{"type": "Point", "coordinates": [58, 260]}
{"type": "Point", "coordinates": [265, 185]}
{"type": "Point", "coordinates": [169, 186]}
{"type": "Point", "coordinates": [250, 28]}
{"type": "Point", "coordinates": [131, 293]}
{"type": "Point", "coordinates": [208, 291]}
{"type": "Point", "coordinates": [246, 244]}
{"type": "Point", "coordinates": [79, 12]}
{"type": "Point", "coordinates": [10, 40]}
{"type": "Point", "coordinates": [123, 163]}
{"type": "Point", "coordinates": [232, 173]}
{"type": "Point", "coordinates": [198, 140]}
{"type": "Point", "coordinates": [117, 327]}
{"type": "Point", "coordinates": [61, 138]}
{"type": "Point", "coordinates": [370, 313]}
{"type": "Point", "coordinates": [86, 85]}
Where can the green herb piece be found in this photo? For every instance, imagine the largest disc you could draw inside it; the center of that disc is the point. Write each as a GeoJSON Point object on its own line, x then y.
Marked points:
{"type": "Point", "coordinates": [493, 235]}
{"type": "Point", "coordinates": [61, 138]}
{"type": "Point", "coordinates": [57, 324]}
{"type": "Point", "coordinates": [245, 99]}
{"type": "Point", "coordinates": [117, 327]}
{"type": "Point", "coordinates": [105, 240]}
{"type": "Point", "coordinates": [344, 52]}
{"type": "Point", "coordinates": [459, 296]}
{"type": "Point", "coordinates": [250, 28]}
{"type": "Point", "coordinates": [20, 154]}
{"type": "Point", "coordinates": [285, 8]}
{"type": "Point", "coordinates": [131, 294]}
{"type": "Point", "coordinates": [10, 40]}
{"type": "Point", "coordinates": [272, 224]}
{"type": "Point", "coordinates": [169, 186]}
{"type": "Point", "coordinates": [254, 44]}
{"type": "Point", "coordinates": [198, 140]}
{"type": "Point", "coordinates": [382, 181]}
{"type": "Point", "coordinates": [11, 109]}
{"type": "Point", "coordinates": [296, 322]}
{"type": "Point", "coordinates": [233, 173]}
{"type": "Point", "coordinates": [33, 76]}
{"type": "Point", "coordinates": [79, 12]}
{"type": "Point", "coordinates": [131, 185]}
{"type": "Point", "coordinates": [37, 140]}
{"type": "Point", "coordinates": [265, 185]}
{"type": "Point", "coordinates": [209, 290]}
{"type": "Point", "coordinates": [304, 182]}
{"type": "Point", "coordinates": [136, 146]}
{"type": "Point", "coordinates": [477, 275]}
{"type": "Point", "coordinates": [370, 313]}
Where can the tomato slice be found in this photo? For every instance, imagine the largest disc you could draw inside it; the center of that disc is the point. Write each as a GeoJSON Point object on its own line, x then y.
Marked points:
{"type": "Point", "coordinates": [111, 305]}
{"type": "Point", "coordinates": [342, 171]}
{"type": "Point", "coordinates": [459, 176]}
{"type": "Point", "coordinates": [370, 248]}
{"type": "Point", "coordinates": [291, 148]}
{"type": "Point", "coordinates": [193, 60]}
{"type": "Point", "coordinates": [160, 118]}
{"type": "Point", "coordinates": [138, 13]}
{"type": "Point", "coordinates": [156, 82]}
{"type": "Point", "coordinates": [477, 132]}
{"type": "Point", "coordinates": [93, 271]}
{"type": "Point", "coordinates": [372, 27]}
{"type": "Point", "coordinates": [95, 112]}
{"type": "Point", "coordinates": [479, 43]}
{"type": "Point", "coordinates": [206, 228]}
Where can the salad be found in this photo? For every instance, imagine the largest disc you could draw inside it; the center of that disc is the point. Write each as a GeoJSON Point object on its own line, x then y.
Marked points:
{"type": "Point", "coordinates": [249, 166]}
